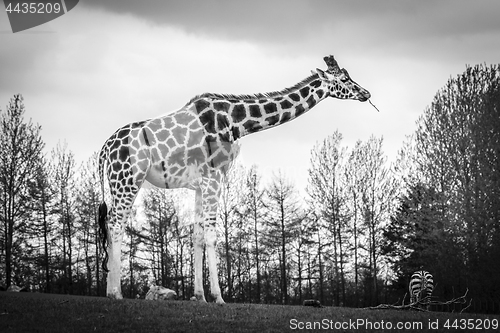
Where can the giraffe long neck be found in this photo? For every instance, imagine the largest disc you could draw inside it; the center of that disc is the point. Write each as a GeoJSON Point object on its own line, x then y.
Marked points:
{"type": "Point", "coordinates": [234, 116]}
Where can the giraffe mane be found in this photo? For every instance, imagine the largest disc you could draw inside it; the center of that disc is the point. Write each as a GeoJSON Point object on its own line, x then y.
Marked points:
{"type": "Point", "coordinates": [272, 94]}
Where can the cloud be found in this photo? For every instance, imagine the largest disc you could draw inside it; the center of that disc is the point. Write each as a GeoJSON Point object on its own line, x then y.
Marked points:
{"type": "Point", "coordinates": [111, 62]}
{"type": "Point", "coordinates": [85, 80]}
{"type": "Point", "coordinates": [296, 22]}
{"type": "Point", "coordinates": [258, 20]}
{"type": "Point", "coordinates": [20, 57]}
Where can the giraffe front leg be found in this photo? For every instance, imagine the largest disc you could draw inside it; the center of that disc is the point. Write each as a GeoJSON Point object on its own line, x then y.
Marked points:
{"type": "Point", "coordinates": [113, 286]}
{"type": "Point", "coordinates": [211, 241]}
{"type": "Point", "coordinates": [210, 202]}
{"type": "Point", "coordinates": [198, 243]}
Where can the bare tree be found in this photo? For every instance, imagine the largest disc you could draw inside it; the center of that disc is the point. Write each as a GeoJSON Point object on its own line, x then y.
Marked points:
{"type": "Point", "coordinates": [282, 224]}
{"type": "Point", "coordinates": [377, 202]}
{"type": "Point", "coordinates": [42, 193]}
{"type": "Point", "coordinates": [229, 202]}
{"type": "Point", "coordinates": [161, 212]}
{"type": "Point", "coordinates": [301, 243]}
{"type": "Point", "coordinates": [355, 185]}
{"type": "Point", "coordinates": [254, 211]}
{"type": "Point", "coordinates": [86, 207]}
{"type": "Point", "coordinates": [328, 192]}
{"type": "Point", "coordinates": [182, 239]}
{"type": "Point", "coordinates": [63, 176]}
{"type": "Point", "coordinates": [21, 151]}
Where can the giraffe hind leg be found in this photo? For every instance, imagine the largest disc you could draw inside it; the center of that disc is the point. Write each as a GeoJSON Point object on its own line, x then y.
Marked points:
{"type": "Point", "coordinates": [119, 214]}
{"type": "Point", "coordinates": [211, 241]}
{"type": "Point", "coordinates": [199, 247]}
{"type": "Point", "coordinates": [113, 286]}
{"type": "Point", "coordinates": [210, 199]}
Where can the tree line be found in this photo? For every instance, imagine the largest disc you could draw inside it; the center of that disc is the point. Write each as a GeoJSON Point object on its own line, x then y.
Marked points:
{"type": "Point", "coordinates": [353, 239]}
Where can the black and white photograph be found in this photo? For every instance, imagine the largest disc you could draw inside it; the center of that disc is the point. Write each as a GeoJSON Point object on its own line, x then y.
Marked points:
{"type": "Point", "coordinates": [249, 166]}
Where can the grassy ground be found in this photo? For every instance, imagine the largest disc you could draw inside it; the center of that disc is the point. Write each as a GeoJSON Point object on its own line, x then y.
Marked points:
{"type": "Point", "coordinates": [31, 312]}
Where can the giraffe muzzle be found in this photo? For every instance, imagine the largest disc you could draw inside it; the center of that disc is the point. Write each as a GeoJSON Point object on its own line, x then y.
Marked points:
{"type": "Point", "coordinates": [364, 95]}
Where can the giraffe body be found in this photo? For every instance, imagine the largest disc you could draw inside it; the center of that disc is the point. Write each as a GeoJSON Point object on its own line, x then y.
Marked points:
{"type": "Point", "coordinates": [168, 152]}
{"type": "Point", "coordinates": [192, 148]}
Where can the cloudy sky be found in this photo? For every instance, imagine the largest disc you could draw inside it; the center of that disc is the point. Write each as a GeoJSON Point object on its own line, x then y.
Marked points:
{"type": "Point", "coordinates": [107, 63]}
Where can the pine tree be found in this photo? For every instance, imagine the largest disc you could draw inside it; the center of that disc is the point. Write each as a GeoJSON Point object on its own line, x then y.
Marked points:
{"type": "Point", "coordinates": [457, 153]}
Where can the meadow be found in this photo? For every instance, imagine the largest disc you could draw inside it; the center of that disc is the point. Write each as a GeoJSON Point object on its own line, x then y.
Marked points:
{"type": "Point", "coordinates": [33, 312]}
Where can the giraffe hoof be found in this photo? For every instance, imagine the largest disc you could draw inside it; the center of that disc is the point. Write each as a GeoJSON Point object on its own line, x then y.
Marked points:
{"type": "Point", "coordinates": [114, 294]}
{"type": "Point", "coordinates": [199, 298]}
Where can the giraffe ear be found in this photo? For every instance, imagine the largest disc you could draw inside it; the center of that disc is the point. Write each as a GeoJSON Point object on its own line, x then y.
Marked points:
{"type": "Point", "coordinates": [322, 74]}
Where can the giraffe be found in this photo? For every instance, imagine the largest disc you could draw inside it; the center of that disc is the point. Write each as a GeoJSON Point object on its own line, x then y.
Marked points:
{"type": "Point", "coordinates": [192, 148]}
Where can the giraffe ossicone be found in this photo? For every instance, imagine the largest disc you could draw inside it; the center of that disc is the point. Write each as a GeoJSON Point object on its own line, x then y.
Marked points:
{"type": "Point", "coordinates": [192, 148]}
{"type": "Point", "coordinates": [333, 66]}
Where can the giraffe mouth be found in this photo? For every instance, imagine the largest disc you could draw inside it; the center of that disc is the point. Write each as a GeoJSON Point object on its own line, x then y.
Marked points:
{"type": "Point", "coordinates": [364, 96]}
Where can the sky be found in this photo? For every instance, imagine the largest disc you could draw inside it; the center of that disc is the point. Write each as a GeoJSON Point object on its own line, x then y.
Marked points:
{"type": "Point", "coordinates": [108, 63]}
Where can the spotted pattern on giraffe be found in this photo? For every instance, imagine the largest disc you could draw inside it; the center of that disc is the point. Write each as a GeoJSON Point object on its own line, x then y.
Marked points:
{"type": "Point", "coordinates": [192, 148]}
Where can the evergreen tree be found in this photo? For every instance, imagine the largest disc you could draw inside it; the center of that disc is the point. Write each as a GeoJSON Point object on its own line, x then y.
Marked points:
{"type": "Point", "coordinates": [457, 143]}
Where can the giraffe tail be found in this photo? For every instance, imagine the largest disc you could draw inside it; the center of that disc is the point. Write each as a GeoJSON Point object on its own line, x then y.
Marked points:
{"type": "Point", "coordinates": [103, 233]}
{"type": "Point", "coordinates": [103, 213]}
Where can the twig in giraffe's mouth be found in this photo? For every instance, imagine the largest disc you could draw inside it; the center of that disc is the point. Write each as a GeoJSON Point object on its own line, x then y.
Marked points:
{"type": "Point", "coordinates": [373, 106]}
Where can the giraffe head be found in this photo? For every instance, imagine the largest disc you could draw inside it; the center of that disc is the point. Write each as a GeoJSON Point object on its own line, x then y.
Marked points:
{"type": "Point", "coordinates": [339, 84]}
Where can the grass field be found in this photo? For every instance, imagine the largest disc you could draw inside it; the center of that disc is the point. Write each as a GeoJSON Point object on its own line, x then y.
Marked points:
{"type": "Point", "coordinates": [31, 312]}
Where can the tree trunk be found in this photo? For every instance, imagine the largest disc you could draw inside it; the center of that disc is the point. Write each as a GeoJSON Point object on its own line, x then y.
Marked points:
{"type": "Point", "coordinates": [257, 252]}
{"type": "Point", "coordinates": [320, 264]}
{"type": "Point", "coordinates": [284, 285]}
{"type": "Point", "coordinates": [8, 252]}
{"type": "Point", "coordinates": [355, 235]}
{"type": "Point", "coordinates": [299, 269]}
{"type": "Point", "coordinates": [341, 265]}
{"type": "Point", "coordinates": [228, 257]}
